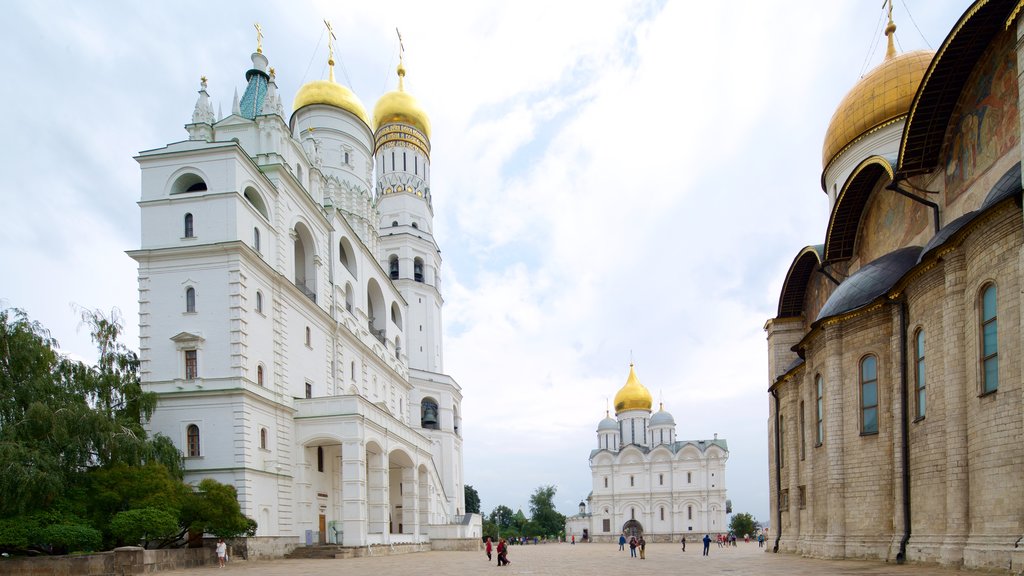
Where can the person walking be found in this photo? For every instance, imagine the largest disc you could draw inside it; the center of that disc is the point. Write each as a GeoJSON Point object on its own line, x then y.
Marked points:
{"type": "Point", "coordinates": [488, 548]}
{"type": "Point", "coordinates": [502, 553]}
{"type": "Point", "coordinates": [643, 546]}
{"type": "Point", "coordinates": [707, 544]}
{"type": "Point", "coordinates": [760, 540]}
{"type": "Point", "coordinates": [632, 546]}
{"type": "Point", "coordinates": [683, 542]}
{"type": "Point", "coordinates": [622, 541]}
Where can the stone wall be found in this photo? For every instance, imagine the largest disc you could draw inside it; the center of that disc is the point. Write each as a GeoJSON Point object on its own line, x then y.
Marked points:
{"type": "Point", "coordinates": [126, 560]}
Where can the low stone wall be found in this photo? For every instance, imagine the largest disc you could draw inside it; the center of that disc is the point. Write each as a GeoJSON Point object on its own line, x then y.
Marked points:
{"type": "Point", "coordinates": [259, 547]}
{"type": "Point", "coordinates": [456, 544]}
{"type": "Point", "coordinates": [120, 562]}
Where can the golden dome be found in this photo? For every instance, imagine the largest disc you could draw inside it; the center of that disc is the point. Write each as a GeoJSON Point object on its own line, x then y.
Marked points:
{"type": "Point", "coordinates": [330, 93]}
{"type": "Point", "coordinates": [633, 396]}
{"type": "Point", "coordinates": [883, 95]}
{"type": "Point", "coordinates": [399, 106]}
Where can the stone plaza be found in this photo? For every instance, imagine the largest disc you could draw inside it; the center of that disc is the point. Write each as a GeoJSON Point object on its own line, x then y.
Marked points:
{"type": "Point", "coordinates": [590, 559]}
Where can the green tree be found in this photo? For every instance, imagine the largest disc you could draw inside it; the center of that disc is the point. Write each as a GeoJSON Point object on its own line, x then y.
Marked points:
{"type": "Point", "coordinates": [548, 521]}
{"type": "Point", "coordinates": [213, 508]}
{"type": "Point", "coordinates": [502, 516]}
{"type": "Point", "coordinates": [742, 523]}
{"type": "Point", "coordinates": [472, 500]}
{"type": "Point", "coordinates": [140, 525]}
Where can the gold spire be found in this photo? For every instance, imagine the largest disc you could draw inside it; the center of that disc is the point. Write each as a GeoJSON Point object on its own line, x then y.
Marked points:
{"type": "Point", "coordinates": [259, 38]}
{"type": "Point", "coordinates": [890, 32]}
{"type": "Point", "coordinates": [330, 48]}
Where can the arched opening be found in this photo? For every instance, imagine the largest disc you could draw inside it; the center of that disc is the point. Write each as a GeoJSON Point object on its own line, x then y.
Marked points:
{"type": "Point", "coordinates": [254, 198]}
{"type": "Point", "coordinates": [376, 312]}
{"type": "Point", "coordinates": [633, 528]}
{"type": "Point", "coordinates": [401, 492]}
{"type": "Point", "coordinates": [190, 299]}
{"type": "Point", "coordinates": [393, 266]}
{"type": "Point", "coordinates": [256, 239]}
{"type": "Point", "coordinates": [305, 274]}
{"type": "Point", "coordinates": [417, 269]}
{"type": "Point", "coordinates": [396, 315]}
{"type": "Point", "coordinates": [190, 231]}
{"type": "Point", "coordinates": [429, 417]}
{"type": "Point", "coordinates": [349, 296]}
{"type": "Point", "coordinates": [192, 440]}
{"type": "Point", "coordinates": [259, 375]}
{"type": "Point", "coordinates": [189, 182]}
{"type": "Point", "coordinates": [263, 438]}
{"type": "Point", "coordinates": [259, 301]}
{"type": "Point", "coordinates": [346, 256]}
{"type": "Point", "coordinates": [394, 223]}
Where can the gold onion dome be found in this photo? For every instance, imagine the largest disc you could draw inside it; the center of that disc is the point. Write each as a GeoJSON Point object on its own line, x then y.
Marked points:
{"type": "Point", "coordinates": [633, 396]}
{"type": "Point", "coordinates": [882, 96]}
{"type": "Point", "coordinates": [399, 106]}
{"type": "Point", "coordinates": [330, 93]}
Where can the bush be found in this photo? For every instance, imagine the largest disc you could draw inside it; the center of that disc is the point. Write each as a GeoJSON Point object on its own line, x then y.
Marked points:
{"type": "Point", "coordinates": [65, 538]}
{"type": "Point", "coordinates": [15, 533]}
{"type": "Point", "coordinates": [143, 524]}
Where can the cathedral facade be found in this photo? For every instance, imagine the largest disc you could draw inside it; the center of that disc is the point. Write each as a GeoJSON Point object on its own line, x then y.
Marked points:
{"type": "Point", "coordinates": [290, 303]}
{"type": "Point", "coordinates": [647, 482]}
{"type": "Point", "coordinates": [895, 389]}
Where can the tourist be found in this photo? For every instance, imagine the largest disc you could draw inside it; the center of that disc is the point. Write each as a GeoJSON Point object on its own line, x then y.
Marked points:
{"type": "Point", "coordinates": [622, 541]}
{"type": "Point", "coordinates": [643, 546]}
{"type": "Point", "coordinates": [502, 553]}
{"type": "Point", "coordinates": [488, 548]}
{"type": "Point", "coordinates": [632, 546]}
{"type": "Point", "coordinates": [573, 539]}
{"type": "Point", "coordinates": [707, 544]}
{"type": "Point", "coordinates": [683, 542]}
{"type": "Point", "coordinates": [222, 552]}
{"type": "Point", "coordinates": [760, 540]}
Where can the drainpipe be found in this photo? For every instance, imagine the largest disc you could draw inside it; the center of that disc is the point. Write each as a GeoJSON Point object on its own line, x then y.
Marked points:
{"type": "Point", "coordinates": [895, 187]}
{"type": "Point", "coordinates": [778, 476]}
{"type": "Point", "coordinates": [901, 556]}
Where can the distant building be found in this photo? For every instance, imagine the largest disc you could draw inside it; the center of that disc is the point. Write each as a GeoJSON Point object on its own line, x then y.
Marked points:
{"type": "Point", "coordinates": [645, 481]}
{"type": "Point", "coordinates": [895, 355]}
{"type": "Point", "coordinates": [290, 314]}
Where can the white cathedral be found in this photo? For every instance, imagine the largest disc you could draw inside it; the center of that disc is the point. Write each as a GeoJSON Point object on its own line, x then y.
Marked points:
{"type": "Point", "coordinates": [290, 315]}
{"type": "Point", "coordinates": [646, 482]}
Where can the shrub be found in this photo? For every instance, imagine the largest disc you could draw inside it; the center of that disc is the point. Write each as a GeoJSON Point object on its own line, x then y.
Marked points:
{"type": "Point", "coordinates": [143, 524]}
{"type": "Point", "coordinates": [65, 538]}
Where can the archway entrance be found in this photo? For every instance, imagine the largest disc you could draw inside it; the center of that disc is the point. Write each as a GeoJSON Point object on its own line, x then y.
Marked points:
{"type": "Point", "coordinates": [632, 528]}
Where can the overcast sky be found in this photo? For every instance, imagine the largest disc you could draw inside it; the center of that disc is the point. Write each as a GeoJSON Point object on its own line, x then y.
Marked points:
{"type": "Point", "coordinates": [629, 181]}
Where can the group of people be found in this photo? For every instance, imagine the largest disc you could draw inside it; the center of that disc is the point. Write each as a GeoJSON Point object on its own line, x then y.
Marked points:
{"type": "Point", "coordinates": [635, 543]}
{"type": "Point", "coordinates": [502, 550]}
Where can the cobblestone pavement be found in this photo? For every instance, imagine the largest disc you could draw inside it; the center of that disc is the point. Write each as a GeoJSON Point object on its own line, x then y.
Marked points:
{"type": "Point", "coordinates": [581, 559]}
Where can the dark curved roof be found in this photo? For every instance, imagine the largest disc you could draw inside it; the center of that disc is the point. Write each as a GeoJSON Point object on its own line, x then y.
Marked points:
{"type": "Point", "coordinates": [936, 99]}
{"type": "Point", "coordinates": [1007, 186]}
{"type": "Point", "coordinates": [870, 282]}
{"type": "Point", "coordinates": [946, 233]}
{"type": "Point", "coordinates": [846, 214]}
{"type": "Point", "coordinates": [791, 300]}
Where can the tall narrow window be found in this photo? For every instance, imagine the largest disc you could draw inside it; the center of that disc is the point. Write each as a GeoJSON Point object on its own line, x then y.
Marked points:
{"type": "Point", "coordinates": [256, 239]}
{"type": "Point", "coordinates": [689, 477]}
{"type": "Point", "coordinates": [605, 481]}
{"type": "Point", "coordinates": [869, 395]}
{"type": "Point", "coordinates": [189, 230]}
{"type": "Point", "coordinates": [263, 438]}
{"type": "Point", "coordinates": [803, 436]}
{"type": "Point", "coordinates": [404, 166]}
{"type": "Point", "coordinates": [192, 439]}
{"type": "Point", "coordinates": [259, 301]}
{"type": "Point", "coordinates": [309, 337]}
{"type": "Point", "coordinates": [662, 512]}
{"type": "Point", "coordinates": [819, 386]}
{"type": "Point", "coordinates": [661, 479]}
{"type": "Point", "coordinates": [190, 299]}
{"type": "Point", "coordinates": [191, 365]}
{"type": "Point", "coordinates": [319, 458]}
{"type": "Point", "coordinates": [259, 375]}
{"type": "Point", "coordinates": [393, 266]}
{"type": "Point", "coordinates": [989, 341]}
{"type": "Point", "coordinates": [353, 370]}
{"type": "Point", "coordinates": [689, 512]}
{"type": "Point", "coordinates": [309, 390]}
{"type": "Point", "coordinates": [919, 382]}
{"type": "Point", "coordinates": [630, 480]}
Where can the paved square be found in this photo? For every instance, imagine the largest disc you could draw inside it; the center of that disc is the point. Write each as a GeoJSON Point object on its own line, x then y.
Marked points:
{"type": "Point", "coordinates": [586, 559]}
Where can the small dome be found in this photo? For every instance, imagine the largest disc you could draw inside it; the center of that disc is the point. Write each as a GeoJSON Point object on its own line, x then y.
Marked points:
{"type": "Point", "coordinates": [608, 424]}
{"type": "Point", "coordinates": [880, 97]}
{"type": "Point", "coordinates": [399, 106]}
{"type": "Point", "coordinates": [662, 418]}
{"type": "Point", "coordinates": [633, 396]}
{"type": "Point", "coordinates": [330, 93]}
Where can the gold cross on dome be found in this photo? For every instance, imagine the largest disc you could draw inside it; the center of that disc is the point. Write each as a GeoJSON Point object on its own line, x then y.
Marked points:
{"type": "Point", "coordinates": [259, 38]}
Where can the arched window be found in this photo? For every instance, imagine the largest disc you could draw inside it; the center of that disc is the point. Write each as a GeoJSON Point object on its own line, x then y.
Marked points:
{"type": "Point", "coordinates": [919, 382]}
{"type": "Point", "coordinates": [349, 296]}
{"type": "Point", "coordinates": [190, 299]}
{"type": "Point", "coordinates": [259, 375]}
{"type": "Point", "coordinates": [417, 270]}
{"type": "Point", "coordinates": [189, 229]}
{"type": "Point", "coordinates": [188, 183]}
{"type": "Point", "coordinates": [869, 395]}
{"type": "Point", "coordinates": [319, 458]}
{"type": "Point", "coordinates": [393, 266]}
{"type": "Point", "coordinates": [819, 386]}
{"type": "Point", "coordinates": [309, 337]}
{"type": "Point", "coordinates": [256, 238]}
{"type": "Point", "coordinates": [259, 301]}
{"type": "Point", "coordinates": [630, 480]}
{"type": "Point", "coordinates": [263, 438]}
{"type": "Point", "coordinates": [689, 512]}
{"type": "Point", "coordinates": [192, 439]}
{"type": "Point", "coordinates": [346, 256]}
{"type": "Point", "coordinates": [415, 225]}
{"type": "Point", "coordinates": [989, 341]}
{"type": "Point", "coordinates": [394, 223]}
{"type": "Point", "coordinates": [428, 414]}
